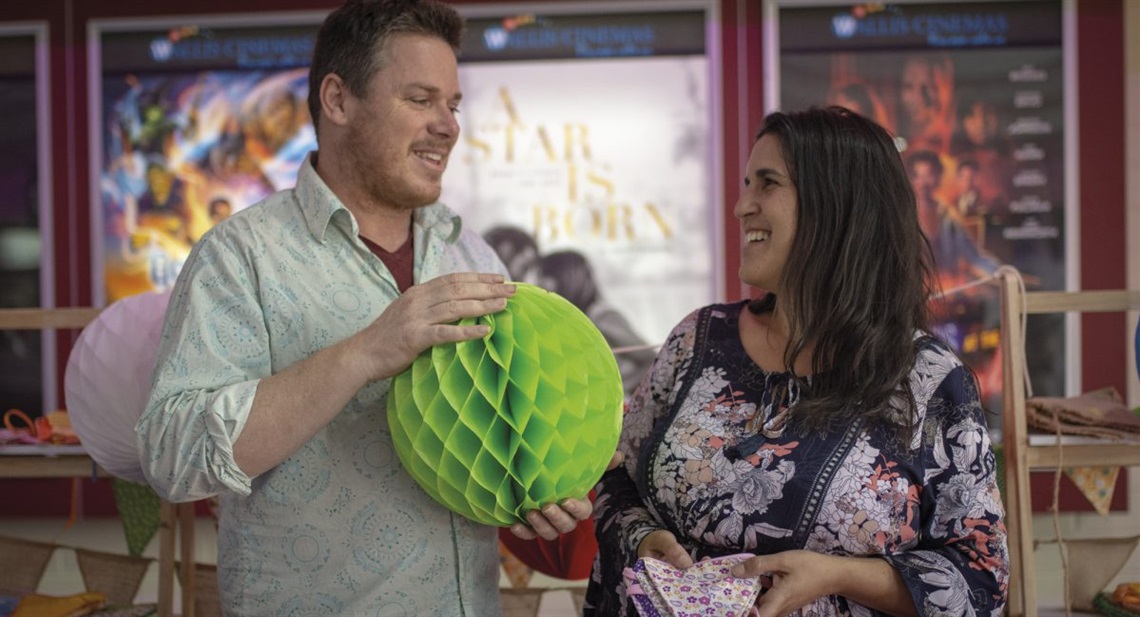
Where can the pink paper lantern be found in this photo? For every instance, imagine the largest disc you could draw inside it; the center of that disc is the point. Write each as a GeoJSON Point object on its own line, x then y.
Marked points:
{"type": "Point", "coordinates": [107, 381]}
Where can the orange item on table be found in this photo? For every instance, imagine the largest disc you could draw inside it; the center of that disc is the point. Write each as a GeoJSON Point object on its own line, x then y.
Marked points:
{"type": "Point", "coordinates": [53, 427]}
{"type": "Point", "coordinates": [36, 605]}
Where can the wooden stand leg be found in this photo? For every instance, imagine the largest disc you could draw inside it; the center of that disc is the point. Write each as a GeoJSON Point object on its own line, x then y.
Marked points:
{"type": "Point", "coordinates": [188, 566]}
{"type": "Point", "coordinates": [168, 527]}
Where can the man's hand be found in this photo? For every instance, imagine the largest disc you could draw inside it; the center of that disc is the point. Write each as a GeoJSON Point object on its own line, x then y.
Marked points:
{"type": "Point", "coordinates": [663, 545]}
{"type": "Point", "coordinates": [424, 315]}
{"type": "Point", "coordinates": [554, 520]}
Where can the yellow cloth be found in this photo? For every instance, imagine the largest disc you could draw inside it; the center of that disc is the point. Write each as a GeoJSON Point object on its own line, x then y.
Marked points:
{"type": "Point", "coordinates": [36, 605]}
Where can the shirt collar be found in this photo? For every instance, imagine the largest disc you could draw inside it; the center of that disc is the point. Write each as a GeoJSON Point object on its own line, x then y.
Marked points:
{"type": "Point", "coordinates": [320, 207]}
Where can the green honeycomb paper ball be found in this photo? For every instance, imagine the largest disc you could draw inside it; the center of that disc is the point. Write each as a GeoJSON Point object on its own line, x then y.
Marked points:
{"type": "Point", "coordinates": [526, 416]}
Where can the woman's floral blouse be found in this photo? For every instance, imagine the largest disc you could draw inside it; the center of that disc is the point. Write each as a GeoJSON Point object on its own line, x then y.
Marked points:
{"type": "Point", "coordinates": [707, 457]}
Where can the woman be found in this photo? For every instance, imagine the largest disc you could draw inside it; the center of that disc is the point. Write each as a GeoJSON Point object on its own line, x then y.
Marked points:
{"type": "Point", "coordinates": [819, 427]}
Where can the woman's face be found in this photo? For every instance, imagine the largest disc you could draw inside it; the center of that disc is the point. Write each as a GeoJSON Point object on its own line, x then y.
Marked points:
{"type": "Point", "coordinates": [980, 124]}
{"type": "Point", "coordinates": [767, 213]}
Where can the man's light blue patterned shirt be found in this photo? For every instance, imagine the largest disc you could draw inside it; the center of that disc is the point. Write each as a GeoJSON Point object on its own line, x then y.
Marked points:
{"type": "Point", "coordinates": [339, 528]}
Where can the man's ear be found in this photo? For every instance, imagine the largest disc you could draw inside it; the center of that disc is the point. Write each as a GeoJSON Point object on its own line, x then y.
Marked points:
{"type": "Point", "coordinates": [335, 99]}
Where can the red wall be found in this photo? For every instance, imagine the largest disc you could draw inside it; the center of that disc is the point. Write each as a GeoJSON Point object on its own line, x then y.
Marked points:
{"type": "Point", "coordinates": [1100, 36]}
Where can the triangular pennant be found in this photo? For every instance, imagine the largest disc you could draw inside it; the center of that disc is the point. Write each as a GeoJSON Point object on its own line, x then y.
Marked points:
{"type": "Point", "coordinates": [138, 506]}
{"type": "Point", "coordinates": [521, 601]}
{"type": "Point", "coordinates": [1093, 563]}
{"type": "Point", "coordinates": [115, 576]}
{"type": "Point", "coordinates": [22, 564]}
{"type": "Point", "coordinates": [1096, 483]}
{"type": "Point", "coordinates": [207, 602]}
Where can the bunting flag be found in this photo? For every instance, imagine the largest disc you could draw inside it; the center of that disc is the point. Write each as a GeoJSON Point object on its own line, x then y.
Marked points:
{"type": "Point", "coordinates": [1096, 484]}
{"type": "Point", "coordinates": [139, 507]}
{"type": "Point", "coordinates": [1093, 564]}
{"type": "Point", "coordinates": [22, 564]}
{"type": "Point", "coordinates": [117, 577]}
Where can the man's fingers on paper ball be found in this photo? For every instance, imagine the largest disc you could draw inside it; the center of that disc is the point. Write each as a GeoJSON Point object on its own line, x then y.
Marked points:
{"type": "Point", "coordinates": [453, 334]}
{"type": "Point", "coordinates": [541, 525]}
{"type": "Point", "coordinates": [522, 531]}
{"type": "Point", "coordinates": [476, 289]}
{"type": "Point", "coordinates": [468, 277]}
{"type": "Point", "coordinates": [455, 310]}
{"type": "Point", "coordinates": [580, 509]}
{"type": "Point", "coordinates": [562, 520]}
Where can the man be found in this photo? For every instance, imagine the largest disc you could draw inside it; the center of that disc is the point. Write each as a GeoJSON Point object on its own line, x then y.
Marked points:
{"type": "Point", "coordinates": [926, 90]}
{"type": "Point", "coordinates": [219, 210]}
{"type": "Point", "coordinates": [958, 259]}
{"type": "Point", "coordinates": [290, 317]}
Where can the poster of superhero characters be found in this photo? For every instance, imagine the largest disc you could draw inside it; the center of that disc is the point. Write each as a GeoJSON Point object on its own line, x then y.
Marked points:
{"type": "Point", "coordinates": [974, 93]}
{"type": "Point", "coordinates": [585, 158]}
{"type": "Point", "coordinates": [196, 123]}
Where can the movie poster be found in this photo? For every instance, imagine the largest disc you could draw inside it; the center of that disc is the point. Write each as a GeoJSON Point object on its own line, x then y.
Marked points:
{"type": "Point", "coordinates": [197, 123]}
{"type": "Point", "coordinates": [974, 94]}
{"type": "Point", "coordinates": [585, 159]}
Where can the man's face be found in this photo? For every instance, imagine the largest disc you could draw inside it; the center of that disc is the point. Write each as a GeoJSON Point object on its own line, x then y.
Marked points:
{"type": "Point", "coordinates": [924, 178]}
{"type": "Point", "coordinates": [221, 211]}
{"type": "Point", "coordinates": [966, 178]}
{"type": "Point", "coordinates": [919, 96]}
{"type": "Point", "coordinates": [402, 131]}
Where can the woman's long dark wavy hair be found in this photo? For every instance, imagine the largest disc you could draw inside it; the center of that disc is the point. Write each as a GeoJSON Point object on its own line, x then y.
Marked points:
{"type": "Point", "coordinates": [860, 272]}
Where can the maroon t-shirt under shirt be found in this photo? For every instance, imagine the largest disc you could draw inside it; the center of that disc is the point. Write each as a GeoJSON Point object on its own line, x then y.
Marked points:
{"type": "Point", "coordinates": [400, 262]}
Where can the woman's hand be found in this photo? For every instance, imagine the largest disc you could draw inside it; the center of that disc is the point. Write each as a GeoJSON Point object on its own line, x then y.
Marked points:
{"type": "Point", "coordinates": [663, 545]}
{"type": "Point", "coordinates": [792, 579]}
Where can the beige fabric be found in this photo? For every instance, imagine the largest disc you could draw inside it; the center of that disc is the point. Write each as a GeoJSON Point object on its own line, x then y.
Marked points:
{"type": "Point", "coordinates": [1093, 563]}
{"type": "Point", "coordinates": [22, 564]}
{"type": "Point", "coordinates": [115, 576]}
{"type": "Point", "coordinates": [521, 601]}
{"type": "Point", "coordinates": [206, 600]}
{"type": "Point", "coordinates": [525, 601]}
{"type": "Point", "coordinates": [1099, 413]}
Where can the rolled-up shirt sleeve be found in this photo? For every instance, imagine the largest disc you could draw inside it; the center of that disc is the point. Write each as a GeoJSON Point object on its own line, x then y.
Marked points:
{"type": "Point", "coordinates": [213, 353]}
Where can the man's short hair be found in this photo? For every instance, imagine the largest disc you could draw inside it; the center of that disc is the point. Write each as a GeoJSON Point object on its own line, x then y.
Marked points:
{"type": "Point", "coordinates": [351, 39]}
